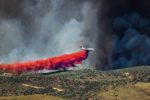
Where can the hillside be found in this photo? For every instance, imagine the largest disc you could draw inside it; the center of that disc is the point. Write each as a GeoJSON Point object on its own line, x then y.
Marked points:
{"type": "Point", "coordinates": [79, 84]}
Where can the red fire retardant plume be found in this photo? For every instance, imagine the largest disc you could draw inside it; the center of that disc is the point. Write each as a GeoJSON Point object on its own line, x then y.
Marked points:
{"type": "Point", "coordinates": [57, 62]}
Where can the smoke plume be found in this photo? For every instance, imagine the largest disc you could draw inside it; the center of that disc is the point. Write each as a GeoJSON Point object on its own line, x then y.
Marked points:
{"type": "Point", "coordinates": [44, 28]}
{"type": "Point", "coordinates": [34, 29]}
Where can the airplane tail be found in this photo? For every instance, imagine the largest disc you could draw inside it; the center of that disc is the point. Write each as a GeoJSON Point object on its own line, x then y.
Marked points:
{"type": "Point", "coordinates": [88, 49]}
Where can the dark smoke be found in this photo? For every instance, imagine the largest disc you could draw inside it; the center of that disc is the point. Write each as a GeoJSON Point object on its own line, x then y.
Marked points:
{"type": "Point", "coordinates": [118, 30]}
{"type": "Point", "coordinates": [111, 44]}
{"type": "Point", "coordinates": [132, 47]}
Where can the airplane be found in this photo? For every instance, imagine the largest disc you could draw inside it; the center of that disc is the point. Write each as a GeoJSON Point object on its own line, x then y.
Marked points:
{"type": "Point", "coordinates": [53, 63]}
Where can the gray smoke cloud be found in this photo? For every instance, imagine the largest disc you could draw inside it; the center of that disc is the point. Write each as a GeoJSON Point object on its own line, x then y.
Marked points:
{"type": "Point", "coordinates": [52, 27]}
{"type": "Point", "coordinates": [133, 47]}
{"type": "Point", "coordinates": [119, 31]}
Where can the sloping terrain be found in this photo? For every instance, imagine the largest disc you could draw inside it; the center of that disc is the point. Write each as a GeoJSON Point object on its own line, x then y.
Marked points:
{"type": "Point", "coordinates": [138, 91]}
{"type": "Point", "coordinates": [80, 84]}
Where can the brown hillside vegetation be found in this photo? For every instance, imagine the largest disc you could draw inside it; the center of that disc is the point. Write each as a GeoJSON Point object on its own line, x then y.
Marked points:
{"type": "Point", "coordinates": [85, 84]}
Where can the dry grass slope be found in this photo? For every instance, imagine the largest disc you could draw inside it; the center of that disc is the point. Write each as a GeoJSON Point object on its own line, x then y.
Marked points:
{"type": "Point", "coordinates": [84, 84]}
{"type": "Point", "coordinates": [31, 97]}
{"type": "Point", "coordinates": [138, 91]}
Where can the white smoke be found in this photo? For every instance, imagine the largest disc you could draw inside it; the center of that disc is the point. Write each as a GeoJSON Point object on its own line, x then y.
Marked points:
{"type": "Point", "coordinates": [68, 39]}
{"type": "Point", "coordinates": [58, 26]}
